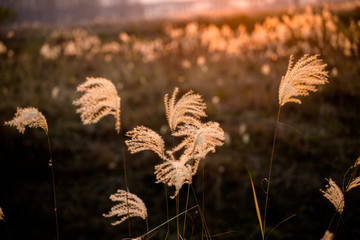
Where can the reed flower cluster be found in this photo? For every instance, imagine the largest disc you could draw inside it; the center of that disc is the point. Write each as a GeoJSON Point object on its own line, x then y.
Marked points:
{"type": "Point", "coordinates": [301, 78]}
{"type": "Point", "coordinates": [100, 98]}
{"type": "Point", "coordinates": [129, 205]}
{"type": "Point", "coordinates": [30, 117]}
{"type": "Point", "coordinates": [181, 162]}
{"type": "Point", "coordinates": [335, 194]}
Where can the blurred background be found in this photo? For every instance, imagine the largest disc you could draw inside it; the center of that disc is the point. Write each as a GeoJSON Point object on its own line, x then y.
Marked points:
{"type": "Point", "coordinates": [234, 54]}
{"type": "Point", "coordinates": [82, 11]}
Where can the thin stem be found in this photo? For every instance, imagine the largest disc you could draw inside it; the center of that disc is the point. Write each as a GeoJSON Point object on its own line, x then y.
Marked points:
{"type": "Point", "coordinates": [125, 176]}
{"type": "Point", "coordinates": [51, 164]}
{"type": "Point", "coordinates": [177, 219]}
{"type": "Point", "coordinates": [186, 206]}
{"type": "Point", "coordinates": [203, 192]}
{"type": "Point", "coordinates": [167, 209]}
{"type": "Point", "coordinates": [343, 183]}
{"type": "Point", "coordinates": [154, 229]}
{"type": "Point", "coordinates": [332, 219]}
{"type": "Point", "coordinates": [271, 163]}
{"type": "Point", "coordinates": [201, 214]}
{"type": "Point", "coordinates": [147, 224]}
{"type": "Point", "coordinates": [286, 219]}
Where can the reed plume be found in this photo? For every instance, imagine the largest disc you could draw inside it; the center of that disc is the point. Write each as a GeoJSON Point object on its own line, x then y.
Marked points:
{"type": "Point", "coordinates": [301, 78]}
{"type": "Point", "coordinates": [353, 184]}
{"type": "Point", "coordinates": [188, 109]}
{"type": "Point", "coordinates": [184, 121]}
{"type": "Point", "coordinates": [334, 194]}
{"type": "Point", "coordinates": [129, 205]}
{"type": "Point", "coordinates": [30, 117]}
{"type": "Point", "coordinates": [353, 181]}
{"type": "Point", "coordinates": [200, 139]}
{"type": "Point", "coordinates": [173, 173]}
{"type": "Point", "coordinates": [100, 98]}
{"type": "Point", "coordinates": [143, 138]}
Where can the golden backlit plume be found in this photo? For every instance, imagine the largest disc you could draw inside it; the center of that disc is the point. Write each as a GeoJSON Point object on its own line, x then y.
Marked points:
{"type": "Point", "coordinates": [300, 78]}
{"type": "Point", "coordinates": [30, 117]}
{"type": "Point", "coordinates": [173, 173]}
{"type": "Point", "coordinates": [182, 161]}
{"type": "Point", "coordinates": [200, 139]}
{"type": "Point", "coordinates": [353, 184]}
{"type": "Point", "coordinates": [100, 99]}
{"type": "Point", "coordinates": [143, 138]}
{"type": "Point", "coordinates": [187, 110]}
{"type": "Point", "coordinates": [334, 194]}
{"type": "Point", "coordinates": [130, 206]}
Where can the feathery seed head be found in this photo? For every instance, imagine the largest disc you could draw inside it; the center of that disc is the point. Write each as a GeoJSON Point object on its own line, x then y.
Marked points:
{"type": "Point", "coordinates": [143, 138]}
{"type": "Point", "coordinates": [173, 173]}
{"type": "Point", "coordinates": [301, 78]}
{"type": "Point", "coordinates": [353, 184]}
{"type": "Point", "coordinates": [200, 140]}
{"type": "Point", "coordinates": [100, 98]}
{"type": "Point", "coordinates": [30, 117]}
{"type": "Point", "coordinates": [334, 194]}
{"type": "Point", "coordinates": [188, 109]}
{"type": "Point", "coordinates": [130, 206]}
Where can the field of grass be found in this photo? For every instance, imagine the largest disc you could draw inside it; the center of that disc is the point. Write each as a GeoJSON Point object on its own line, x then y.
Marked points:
{"type": "Point", "coordinates": [236, 64]}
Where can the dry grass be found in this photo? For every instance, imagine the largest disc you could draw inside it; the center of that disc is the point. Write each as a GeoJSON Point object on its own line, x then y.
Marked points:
{"type": "Point", "coordinates": [100, 99]}
{"type": "Point", "coordinates": [218, 62]}
{"type": "Point", "coordinates": [30, 117]}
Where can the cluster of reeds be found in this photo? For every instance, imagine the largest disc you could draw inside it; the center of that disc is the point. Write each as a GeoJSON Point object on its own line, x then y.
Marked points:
{"type": "Point", "coordinates": [181, 162]}
{"type": "Point", "coordinates": [276, 37]}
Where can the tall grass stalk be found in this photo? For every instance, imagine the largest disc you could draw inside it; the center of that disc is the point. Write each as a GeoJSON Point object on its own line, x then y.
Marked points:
{"type": "Point", "coordinates": [125, 177]}
{"type": "Point", "coordinates": [31, 117]}
{"type": "Point", "coordinates": [208, 236]}
{"type": "Point", "coordinates": [186, 206]}
{"type": "Point", "coordinates": [277, 225]}
{"type": "Point", "coordinates": [203, 194]}
{"type": "Point", "coordinates": [167, 210]}
{"type": "Point", "coordinates": [270, 168]}
{"type": "Point", "coordinates": [147, 224]}
{"type": "Point", "coordinates": [177, 219]}
{"type": "Point", "coordinates": [168, 221]}
{"type": "Point", "coordinates": [51, 164]}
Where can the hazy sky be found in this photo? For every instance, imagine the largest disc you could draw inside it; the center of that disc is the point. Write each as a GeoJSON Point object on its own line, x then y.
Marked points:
{"type": "Point", "coordinates": [109, 2]}
{"type": "Point", "coordinates": [155, 1]}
